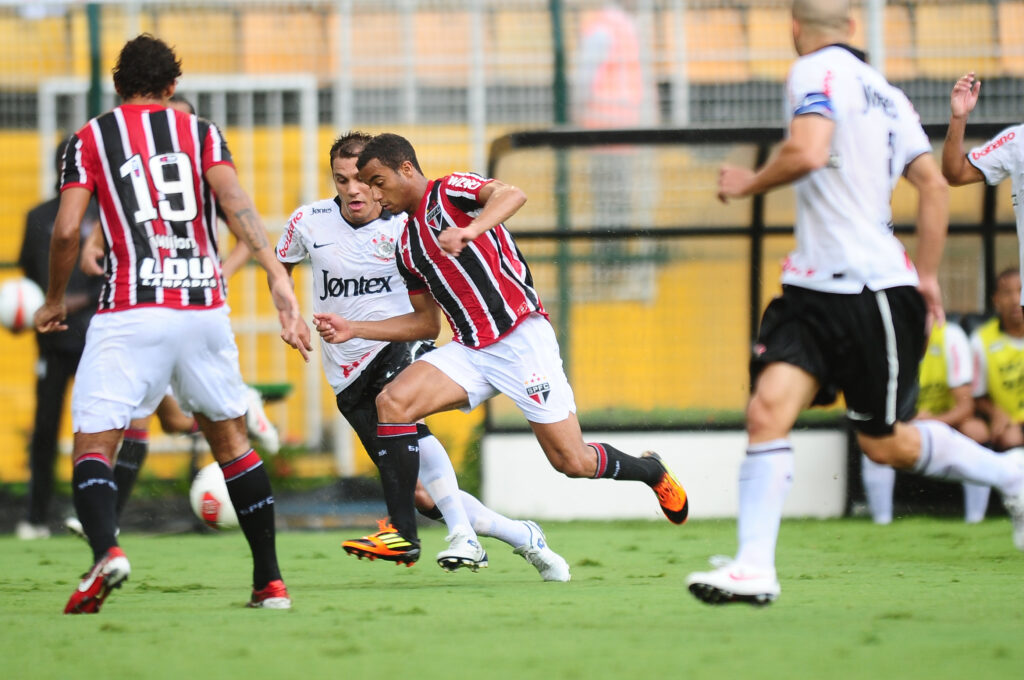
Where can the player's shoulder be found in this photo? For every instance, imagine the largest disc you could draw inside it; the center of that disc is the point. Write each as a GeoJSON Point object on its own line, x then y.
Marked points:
{"type": "Point", "coordinates": [464, 181]}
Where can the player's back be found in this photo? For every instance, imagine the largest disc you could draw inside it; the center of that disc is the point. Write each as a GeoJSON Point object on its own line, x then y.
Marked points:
{"type": "Point", "coordinates": [146, 166]}
{"type": "Point", "coordinates": [844, 229]}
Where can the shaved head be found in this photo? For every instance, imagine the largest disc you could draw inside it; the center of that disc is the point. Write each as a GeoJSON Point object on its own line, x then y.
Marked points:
{"type": "Point", "coordinates": [824, 16]}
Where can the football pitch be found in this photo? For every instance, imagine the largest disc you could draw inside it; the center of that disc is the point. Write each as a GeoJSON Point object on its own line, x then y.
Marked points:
{"type": "Point", "coordinates": [922, 598]}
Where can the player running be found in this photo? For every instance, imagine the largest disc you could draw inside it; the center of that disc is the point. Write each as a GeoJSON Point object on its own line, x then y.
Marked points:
{"type": "Point", "coordinates": [350, 242]}
{"type": "Point", "coordinates": [162, 318]}
{"type": "Point", "coordinates": [456, 248]}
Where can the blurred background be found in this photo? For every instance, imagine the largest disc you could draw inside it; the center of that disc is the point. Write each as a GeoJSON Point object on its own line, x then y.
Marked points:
{"type": "Point", "coordinates": [613, 117]}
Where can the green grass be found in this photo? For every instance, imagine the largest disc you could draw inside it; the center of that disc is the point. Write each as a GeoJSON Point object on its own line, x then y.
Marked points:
{"type": "Point", "coordinates": [923, 598]}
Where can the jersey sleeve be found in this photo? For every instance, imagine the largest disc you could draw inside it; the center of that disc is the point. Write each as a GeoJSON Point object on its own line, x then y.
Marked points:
{"type": "Point", "coordinates": [913, 141]}
{"type": "Point", "coordinates": [76, 166]}
{"type": "Point", "coordinates": [980, 382]}
{"type": "Point", "coordinates": [291, 247]}
{"type": "Point", "coordinates": [413, 283]}
{"type": "Point", "coordinates": [810, 89]}
{"type": "Point", "coordinates": [215, 147]}
{"type": "Point", "coordinates": [959, 364]}
{"type": "Point", "coordinates": [463, 190]}
{"type": "Point", "coordinates": [999, 157]}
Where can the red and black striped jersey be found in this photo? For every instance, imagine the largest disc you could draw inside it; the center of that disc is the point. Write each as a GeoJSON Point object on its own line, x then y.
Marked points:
{"type": "Point", "coordinates": [146, 165]}
{"type": "Point", "coordinates": [488, 289]}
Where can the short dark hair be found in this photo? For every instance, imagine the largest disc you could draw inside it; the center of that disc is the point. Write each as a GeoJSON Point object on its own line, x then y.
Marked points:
{"type": "Point", "coordinates": [391, 150]}
{"type": "Point", "coordinates": [1007, 273]}
{"type": "Point", "coordinates": [182, 100]}
{"type": "Point", "coordinates": [146, 67]}
{"type": "Point", "coordinates": [349, 145]}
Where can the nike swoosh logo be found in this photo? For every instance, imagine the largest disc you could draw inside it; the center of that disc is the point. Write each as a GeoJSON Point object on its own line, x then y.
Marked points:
{"type": "Point", "coordinates": [743, 577]}
{"type": "Point", "coordinates": [321, 245]}
{"type": "Point", "coordinates": [85, 585]}
{"type": "Point", "coordinates": [856, 415]}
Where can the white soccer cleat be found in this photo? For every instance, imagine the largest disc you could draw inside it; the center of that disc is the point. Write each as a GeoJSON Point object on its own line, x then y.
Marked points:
{"type": "Point", "coordinates": [464, 550]}
{"type": "Point", "coordinates": [734, 582]}
{"type": "Point", "coordinates": [1015, 506]}
{"type": "Point", "coordinates": [260, 429]}
{"type": "Point", "coordinates": [551, 565]}
{"type": "Point", "coordinates": [26, 531]}
{"type": "Point", "coordinates": [74, 527]}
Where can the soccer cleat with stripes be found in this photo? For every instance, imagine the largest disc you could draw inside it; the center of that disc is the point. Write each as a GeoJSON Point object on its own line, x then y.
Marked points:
{"type": "Point", "coordinates": [386, 544]}
{"type": "Point", "coordinates": [109, 573]}
{"type": "Point", "coordinates": [272, 596]}
{"type": "Point", "coordinates": [671, 495]}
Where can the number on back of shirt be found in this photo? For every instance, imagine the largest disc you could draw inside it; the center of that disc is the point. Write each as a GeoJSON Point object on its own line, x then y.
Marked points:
{"type": "Point", "coordinates": [171, 174]}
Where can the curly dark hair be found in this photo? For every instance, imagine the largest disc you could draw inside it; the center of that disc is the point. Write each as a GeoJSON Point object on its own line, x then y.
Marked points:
{"type": "Point", "coordinates": [391, 150]}
{"type": "Point", "coordinates": [349, 145]}
{"type": "Point", "coordinates": [146, 67]}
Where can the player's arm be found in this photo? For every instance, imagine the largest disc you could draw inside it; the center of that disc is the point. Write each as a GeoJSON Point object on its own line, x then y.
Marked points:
{"type": "Point", "coordinates": [422, 323]}
{"type": "Point", "coordinates": [63, 255]}
{"type": "Point", "coordinates": [963, 407]}
{"type": "Point", "coordinates": [93, 252]}
{"type": "Point", "coordinates": [235, 260]}
{"type": "Point", "coordinates": [932, 225]}
{"type": "Point", "coordinates": [955, 167]}
{"type": "Point", "coordinates": [245, 223]}
{"type": "Point", "coordinates": [998, 419]}
{"type": "Point", "coordinates": [304, 334]}
{"type": "Point", "coordinates": [805, 150]}
{"type": "Point", "coordinates": [500, 201]}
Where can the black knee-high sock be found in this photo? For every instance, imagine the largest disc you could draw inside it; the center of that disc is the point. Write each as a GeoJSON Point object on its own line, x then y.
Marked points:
{"type": "Point", "coordinates": [398, 458]}
{"type": "Point", "coordinates": [129, 460]}
{"type": "Point", "coordinates": [95, 496]}
{"type": "Point", "coordinates": [249, 488]}
{"type": "Point", "coordinates": [615, 464]}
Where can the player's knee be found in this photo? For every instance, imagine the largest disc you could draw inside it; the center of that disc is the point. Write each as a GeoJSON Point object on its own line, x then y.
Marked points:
{"type": "Point", "coordinates": [762, 422]}
{"type": "Point", "coordinates": [392, 407]}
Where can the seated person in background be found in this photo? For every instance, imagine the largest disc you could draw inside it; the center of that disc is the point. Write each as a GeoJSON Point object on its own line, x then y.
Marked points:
{"type": "Point", "coordinates": [944, 376]}
{"type": "Point", "coordinates": [998, 348]}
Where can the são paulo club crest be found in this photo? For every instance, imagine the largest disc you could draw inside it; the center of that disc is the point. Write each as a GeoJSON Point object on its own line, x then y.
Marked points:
{"type": "Point", "coordinates": [538, 388]}
{"type": "Point", "coordinates": [383, 247]}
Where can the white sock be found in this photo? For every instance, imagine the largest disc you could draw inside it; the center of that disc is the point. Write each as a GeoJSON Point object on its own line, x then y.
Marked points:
{"type": "Point", "coordinates": [438, 478]}
{"type": "Point", "coordinates": [765, 477]}
{"type": "Point", "coordinates": [947, 454]}
{"type": "Point", "coordinates": [879, 481]}
{"type": "Point", "coordinates": [975, 502]}
{"type": "Point", "coordinates": [487, 522]}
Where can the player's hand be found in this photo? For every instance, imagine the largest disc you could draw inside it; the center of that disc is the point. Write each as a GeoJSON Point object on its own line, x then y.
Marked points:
{"type": "Point", "coordinates": [733, 182]}
{"type": "Point", "coordinates": [932, 294]}
{"type": "Point", "coordinates": [454, 239]}
{"type": "Point", "coordinates": [333, 328]}
{"type": "Point", "coordinates": [90, 259]}
{"type": "Point", "coordinates": [50, 317]}
{"type": "Point", "coordinates": [964, 96]}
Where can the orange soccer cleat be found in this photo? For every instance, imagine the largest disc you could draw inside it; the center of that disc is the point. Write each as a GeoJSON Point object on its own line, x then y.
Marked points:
{"type": "Point", "coordinates": [386, 544]}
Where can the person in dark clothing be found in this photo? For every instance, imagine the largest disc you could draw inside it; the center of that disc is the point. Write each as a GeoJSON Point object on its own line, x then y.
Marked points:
{"type": "Point", "coordinates": [58, 354]}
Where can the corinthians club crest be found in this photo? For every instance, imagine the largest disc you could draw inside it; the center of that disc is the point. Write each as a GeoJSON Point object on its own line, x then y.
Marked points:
{"type": "Point", "coordinates": [383, 247]}
{"type": "Point", "coordinates": [538, 388]}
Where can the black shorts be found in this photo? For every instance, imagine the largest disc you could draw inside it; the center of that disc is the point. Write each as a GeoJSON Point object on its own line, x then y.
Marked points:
{"type": "Point", "coordinates": [868, 345]}
{"type": "Point", "coordinates": [358, 401]}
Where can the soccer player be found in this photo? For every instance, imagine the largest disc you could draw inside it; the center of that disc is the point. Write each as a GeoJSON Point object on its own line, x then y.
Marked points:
{"type": "Point", "coordinates": [945, 383]}
{"type": "Point", "coordinates": [350, 242]}
{"type": "Point", "coordinates": [456, 247]}
{"type": "Point", "coordinates": [162, 318]}
{"type": "Point", "coordinates": [853, 310]}
{"type": "Point", "coordinates": [999, 356]}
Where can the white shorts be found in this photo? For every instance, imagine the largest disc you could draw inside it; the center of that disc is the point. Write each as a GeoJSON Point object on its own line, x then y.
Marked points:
{"type": "Point", "coordinates": [131, 358]}
{"type": "Point", "coordinates": [525, 365]}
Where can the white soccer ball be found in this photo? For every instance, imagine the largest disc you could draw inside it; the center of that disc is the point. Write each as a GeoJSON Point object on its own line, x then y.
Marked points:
{"type": "Point", "coordinates": [19, 300]}
{"type": "Point", "coordinates": [210, 500]}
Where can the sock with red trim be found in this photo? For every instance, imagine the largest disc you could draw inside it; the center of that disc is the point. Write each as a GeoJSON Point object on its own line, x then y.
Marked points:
{"type": "Point", "coordinates": [95, 497]}
{"type": "Point", "coordinates": [249, 488]}
{"type": "Point", "coordinates": [614, 464]}
{"type": "Point", "coordinates": [398, 459]}
{"type": "Point", "coordinates": [129, 461]}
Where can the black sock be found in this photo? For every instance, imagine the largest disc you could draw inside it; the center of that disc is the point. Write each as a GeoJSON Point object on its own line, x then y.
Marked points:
{"type": "Point", "coordinates": [398, 459]}
{"type": "Point", "coordinates": [615, 464]}
{"type": "Point", "coordinates": [129, 461]}
{"type": "Point", "coordinates": [433, 513]}
{"type": "Point", "coordinates": [249, 488]}
{"type": "Point", "coordinates": [95, 496]}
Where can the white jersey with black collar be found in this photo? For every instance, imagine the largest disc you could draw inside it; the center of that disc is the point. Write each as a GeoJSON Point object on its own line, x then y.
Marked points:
{"type": "Point", "coordinates": [844, 238]}
{"type": "Point", "coordinates": [354, 275]}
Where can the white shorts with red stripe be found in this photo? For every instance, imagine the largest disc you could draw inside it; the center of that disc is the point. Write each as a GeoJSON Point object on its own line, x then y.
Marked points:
{"type": "Point", "coordinates": [525, 365]}
{"type": "Point", "coordinates": [131, 358]}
